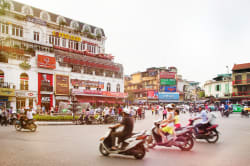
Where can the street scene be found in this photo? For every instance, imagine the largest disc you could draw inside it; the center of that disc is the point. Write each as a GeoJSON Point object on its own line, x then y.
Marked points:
{"type": "Point", "coordinates": [124, 82]}
{"type": "Point", "coordinates": [75, 145]}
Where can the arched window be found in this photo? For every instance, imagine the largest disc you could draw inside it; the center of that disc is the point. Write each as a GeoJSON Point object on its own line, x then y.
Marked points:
{"type": "Point", "coordinates": [86, 28]}
{"type": "Point", "coordinates": [1, 78]}
{"type": "Point", "coordinates": [108, 87]}
{"type": "Point", "coordinates": [45, 16]}
{"type": "Point", "coordinates": [24, 81]}
{"type": "Point", "coordinates": [118, 88]}
{"type": "Point", "coordinates": [27, 10]}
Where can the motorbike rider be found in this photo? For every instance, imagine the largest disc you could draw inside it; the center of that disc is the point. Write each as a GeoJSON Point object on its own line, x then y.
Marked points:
{"type": "Point", "coordinates": [128, 124]}
{"type": "Point", "coordinates": [29, 116]}
{"type": "Point", "coordinates": [168, 124]}
{"type": "Point", "coordinates": [201, 127]}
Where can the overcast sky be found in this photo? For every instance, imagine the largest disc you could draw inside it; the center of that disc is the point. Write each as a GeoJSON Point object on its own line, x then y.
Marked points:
{"type": "Point", "coordinates": [199, 37]}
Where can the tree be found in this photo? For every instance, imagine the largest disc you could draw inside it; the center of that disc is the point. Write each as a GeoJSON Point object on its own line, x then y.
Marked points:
{"type": "Point", "coordinates": [4, 4]}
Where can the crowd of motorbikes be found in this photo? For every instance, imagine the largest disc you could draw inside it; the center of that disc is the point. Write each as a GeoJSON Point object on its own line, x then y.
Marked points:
{"type": "Point", "coordinates": [138, 143]}
{"type": "Point", "coordinates": [96, 119]}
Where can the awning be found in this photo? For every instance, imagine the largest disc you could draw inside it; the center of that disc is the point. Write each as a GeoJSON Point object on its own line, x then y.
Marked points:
{"type": "Point", "coordinates": [86, 101]}
{"type": "Point", "coordinates": [100, 101]}
{"type": "Point", "coordinates": [119, 102]}
{"type": "Point", "coordinates": [111, 102]}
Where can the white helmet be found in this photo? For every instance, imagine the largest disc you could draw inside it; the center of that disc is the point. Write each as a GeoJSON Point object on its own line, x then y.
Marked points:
{"type": "Point", "coordinates": [169, 106]}
{"type": "Point", "coordinates": [126, 111]}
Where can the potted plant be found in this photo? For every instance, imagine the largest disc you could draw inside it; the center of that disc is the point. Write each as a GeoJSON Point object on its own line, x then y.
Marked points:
{"type": "Point", "coordinates": [24, 65]}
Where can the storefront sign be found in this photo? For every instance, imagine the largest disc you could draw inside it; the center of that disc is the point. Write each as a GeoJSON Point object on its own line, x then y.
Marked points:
{"type": "Point", "coordinates": [169, 96]}
{"type": "Point", "coordinates": [152, 94]}
{"type": "Point", "coordinates": [168, 88]}
{"type": "Point", "coordinates": [168, 82]}
{"type": "Point", "coordinates": [7, 92]}
{"type": "Point", "coordinates": [87, 83]}
{"type": "Point", "coordinates": [36, 20]}
{"type": "Point", "coordinates": [114, 94]}
{"type": "Point", "coordinates": [62, 98]}
{"type": "Point", "coordinates": [99, 93]}
{"type": "Point", "coordinates": [66, 36]}
{"type": "Point", "coordinates": [62, 84]}
{"type": "Point", "coordinates": [167, 75]}
{"type": "Point", "coordinates": [26, 94]}
{"type": "Point", "coordinates": [46, 62]}
{"type": "Point", "coordinates": [45, 99]}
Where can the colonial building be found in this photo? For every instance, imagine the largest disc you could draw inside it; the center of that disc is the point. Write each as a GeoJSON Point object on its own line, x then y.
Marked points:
{"type": "Point", "coordinates": [241, 83]}
{"type": "Point", "coordinates": [47, 58]}
{"type": "Point", "coordinates": [220, 87]}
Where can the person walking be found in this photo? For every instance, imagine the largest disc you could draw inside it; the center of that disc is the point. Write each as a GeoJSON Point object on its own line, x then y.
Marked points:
{"type": "Point", "coordinates": [164, 113]}
{"type": "Point", "coordinates": [4, 117]}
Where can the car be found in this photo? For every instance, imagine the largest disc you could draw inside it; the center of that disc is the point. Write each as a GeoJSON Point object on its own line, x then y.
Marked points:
{"type": "Point", "coordinates": [237, 107]}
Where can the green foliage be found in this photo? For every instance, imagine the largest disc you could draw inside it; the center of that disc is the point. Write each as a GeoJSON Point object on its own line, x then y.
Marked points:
{"type": "Point", "coordinates": [201, 94]}
{"type": "Point", "coordinates": [54, 118]}
{"type": "Point", "coordinates": [24, 65]}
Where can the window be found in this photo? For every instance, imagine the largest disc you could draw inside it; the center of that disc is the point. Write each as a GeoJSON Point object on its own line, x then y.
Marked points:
{"type": "Point", "coordinates": [83, 46]}
{"type": "Point", "coordinates": [217, 87]}
{"type": "Point", "coordinates": [1, 77]}
{"type": "Point", "coordinates": [118, 88]}
{"type": "Point", "coordinates": [71, 44]}
{"type": "Point", "coordinates": [17, 30]}
{"type": "Point", "coordinates": [227, 88]}
{"type": "Point", "coordinates": [248, 78]}
{"type": "Point", "coordinates": [24, 81]}
{"type": "Point", "coordinates": [238, 79]}
{"type": "Point", "coordinates": [98, 89]}
{"type": "Point", "coordinates": [108, 87]}
{"type": "Point", "coordinates": [54, 40]}
{"type": "Point", "coordinates": [76, 44]}
{"type": "Point", "coordinates": [87, 88]}
{"type": "Point", "coordinates": [36, 36]}
{"type": "Point", "coordinates": [64, 42]}
{"type": "Point", "coordinates": [4, 28]}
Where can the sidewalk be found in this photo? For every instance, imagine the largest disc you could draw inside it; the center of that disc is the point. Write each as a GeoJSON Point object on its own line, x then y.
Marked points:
{"type": "Point", "coordinates": [54, 123]}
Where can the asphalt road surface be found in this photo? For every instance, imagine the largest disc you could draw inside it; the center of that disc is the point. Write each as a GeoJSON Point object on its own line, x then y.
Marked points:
{"type": "Point", "coordinates": [75, 145]}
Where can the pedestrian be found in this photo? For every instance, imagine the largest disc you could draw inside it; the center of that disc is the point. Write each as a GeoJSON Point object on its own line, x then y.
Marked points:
{"type": "Point", "coordinates": [139, 111]}
{"type": "Point", "coordinates": [164, 113]}
{"type": "Point", "coordinates": [4, 117]}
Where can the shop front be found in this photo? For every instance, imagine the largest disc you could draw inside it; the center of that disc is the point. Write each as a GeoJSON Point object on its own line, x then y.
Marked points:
{"type": "Point", "coordinates": [25, 99]}
{"type": "Point", "coordinates": [45, 92]}
{"type": "Point", "coordinates": [7, 96]}
{"type": "Point", "coordinates": [61, 89]}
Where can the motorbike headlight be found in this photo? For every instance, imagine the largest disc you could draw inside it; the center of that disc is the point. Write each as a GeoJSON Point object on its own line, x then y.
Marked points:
{"type": "Point", "coordinates": [101, 139]}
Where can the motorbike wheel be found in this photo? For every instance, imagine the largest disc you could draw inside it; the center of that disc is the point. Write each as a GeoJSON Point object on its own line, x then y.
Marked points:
{"type": "Point", "coordinates": [140, 152]}
{"type": "Point", "coordinates": [18, 127]}
{"type": "Point", "coordinates": [213, 137]}
{"type": "Point", "coordinates": [150, 142]}
{"type": "Point", "coordinates": [33, 127]}
{"type": "Point", "coordinates": [188, 145]}
{"type": "Point", "coordinates": [103, 150]}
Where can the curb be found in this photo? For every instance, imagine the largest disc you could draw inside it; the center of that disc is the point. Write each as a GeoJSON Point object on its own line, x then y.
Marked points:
{"type": "Point", "coordinates": [41, 123]}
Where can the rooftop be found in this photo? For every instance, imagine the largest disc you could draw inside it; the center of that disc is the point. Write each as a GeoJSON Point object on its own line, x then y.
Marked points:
{"type": "Point", "coordinates": [241, 66]}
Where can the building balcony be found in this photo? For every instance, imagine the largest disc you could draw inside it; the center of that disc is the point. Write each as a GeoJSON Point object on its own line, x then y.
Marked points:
{"type": "Point", "coordinates": [241, 82]}
{"type": "Point", "coordinates": [7, 89]}
{"type": "Point", "coordinates": [241, 94]}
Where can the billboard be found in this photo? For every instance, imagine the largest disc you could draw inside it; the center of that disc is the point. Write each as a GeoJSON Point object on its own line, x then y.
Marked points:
{"type": "Point", "coordinates": [168, 88]}
{"type": "Point", "coordinates": [46, 62]}
{"type": "Point", "coordinates": [62, 84]}
{"type": "Point", "coordinates": [87, 83]}
{"type": "Point", "coordinates": [152, 94]}
{"type": "Point", "coordinates": [169, 96]}
{"type": "Point", "coordinates": [167, 75]}
{"type": "Point", "coordinates": [168, 82]}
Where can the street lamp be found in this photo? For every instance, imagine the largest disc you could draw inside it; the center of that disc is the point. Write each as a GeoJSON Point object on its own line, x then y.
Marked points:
{"type": "Point", "coordinates": [228, 78]}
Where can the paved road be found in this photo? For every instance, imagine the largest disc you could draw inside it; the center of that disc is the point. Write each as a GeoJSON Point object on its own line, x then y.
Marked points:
{"type": "Point", "coordinates": [78, 145]}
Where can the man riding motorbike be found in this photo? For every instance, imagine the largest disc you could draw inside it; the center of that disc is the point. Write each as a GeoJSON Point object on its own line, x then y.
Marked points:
{"type": "Point", "coordinates": [128, 123]}
{"type": "Point", "coordinates": [201, 127]}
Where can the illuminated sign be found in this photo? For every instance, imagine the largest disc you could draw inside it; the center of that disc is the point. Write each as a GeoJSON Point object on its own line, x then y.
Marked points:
{"type": "Point", "coordinates": [66, 36]}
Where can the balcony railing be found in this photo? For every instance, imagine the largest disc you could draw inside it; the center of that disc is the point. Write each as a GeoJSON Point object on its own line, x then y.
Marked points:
{"type": "Point", "coordinates": [243, 93]}
{"type": "Point", "coordinates": [7, 85]}
{"type": "Point", "coordinates": [241, 82]}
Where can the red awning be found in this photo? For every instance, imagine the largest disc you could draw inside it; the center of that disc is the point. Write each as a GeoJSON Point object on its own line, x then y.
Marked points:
{"type": "Point", "coordinates": [111, 102]}
{"type": "Point", "coordinates": [86, 101]}
{"type": "Point", "coordinates": [119, 102]}
{"type": "Point", "coordinates": [100, 101]}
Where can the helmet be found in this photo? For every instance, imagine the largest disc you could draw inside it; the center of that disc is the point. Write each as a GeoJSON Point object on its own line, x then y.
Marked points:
{"type": "Point", "coordinates": [126, 111]}
{"type": "Point", "coordinates": [169, 106]}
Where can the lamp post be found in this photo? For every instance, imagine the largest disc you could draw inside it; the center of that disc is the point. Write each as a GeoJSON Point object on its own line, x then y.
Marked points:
{"type": "Point", "coordinates": [228, 78]}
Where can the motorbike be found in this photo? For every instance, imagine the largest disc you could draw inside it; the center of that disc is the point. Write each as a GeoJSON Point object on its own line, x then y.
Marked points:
{"type": "Point", "coordinates": [225, 113]}
{"type": "Point", "coordinates": [211, 134]}
{"type": "Point", "coordinates": [184, 139]}
{"type": "Point", "coordinates": [13, 119]}
{"type": "Point", "coordinates": [244, 113]}
{"type": "Point", "coordinates": [133, 145]}
{"type": "Point", "coordinates": [30, 125]}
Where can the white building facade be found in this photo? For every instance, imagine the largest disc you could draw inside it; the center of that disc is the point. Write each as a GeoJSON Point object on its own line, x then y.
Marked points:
{"type": "Point", "coordinates": [47, 58]}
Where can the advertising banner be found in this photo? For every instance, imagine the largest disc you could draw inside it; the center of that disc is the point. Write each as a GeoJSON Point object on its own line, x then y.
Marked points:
{"type": "Point", "coordinates": [168, 82]}
{"type": "Point", "coordinates": [62, 84]}
{"type": "Point", "coordinates": [46, 62]}
{"type": "Point", "coordinates": [169, 96]}
{"type": "Point", "coordinates": [7, 92]}
{"type": "Point", "coordinates": [168, 88]}
{"type": "Point", "coordinates": [99, 93]}
{"type": "Point", "coordinates": [152, 94]}
{"type": "Point", "coordinates": [168, 75]}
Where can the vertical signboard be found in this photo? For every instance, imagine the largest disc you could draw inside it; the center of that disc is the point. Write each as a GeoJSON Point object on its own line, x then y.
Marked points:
{"type": "Point", "coordinates": [62, 84]}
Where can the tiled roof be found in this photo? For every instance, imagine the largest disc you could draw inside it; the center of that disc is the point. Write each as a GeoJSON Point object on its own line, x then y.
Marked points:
{"type": "Point", "coordinates": [18, 8]}
{"type": "Point", "coordinates": [241, 66]}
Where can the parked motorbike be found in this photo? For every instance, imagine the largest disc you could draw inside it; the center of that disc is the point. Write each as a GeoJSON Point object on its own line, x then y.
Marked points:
{"type": "Point", "coordinates": [184, 139]}
{"type": "Point", "coordinates": [30, 125]}
{"type": "Point", "coordinates": [211, 135]}
{"type": "Point", "coordinates": [244, 113]}
{"type": "Point", "coordinates": [131, 145]}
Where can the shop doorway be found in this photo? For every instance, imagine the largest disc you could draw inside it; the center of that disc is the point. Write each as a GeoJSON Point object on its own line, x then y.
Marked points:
{"type": "Point", "coordinates": [20, 103]}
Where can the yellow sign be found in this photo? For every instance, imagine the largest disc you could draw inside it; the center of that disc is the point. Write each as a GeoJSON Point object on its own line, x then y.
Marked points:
{"type": "Point", "coordinates": [66, 36]}
{"type": "Point", "coordinates": [7, 92]}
